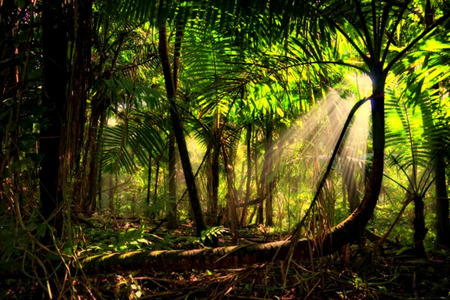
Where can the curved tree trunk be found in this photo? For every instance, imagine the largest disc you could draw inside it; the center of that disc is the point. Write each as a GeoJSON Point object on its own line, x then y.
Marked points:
{"type": "Point", "coordinates": [235, 256]}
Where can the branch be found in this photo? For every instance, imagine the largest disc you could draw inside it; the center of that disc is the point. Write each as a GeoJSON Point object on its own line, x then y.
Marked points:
{"type": "Point", "coordinates": [417, 39]}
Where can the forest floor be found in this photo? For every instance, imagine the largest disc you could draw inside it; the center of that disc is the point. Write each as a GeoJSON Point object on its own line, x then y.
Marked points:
{"type": "Point", "coordinates": [357, 272]}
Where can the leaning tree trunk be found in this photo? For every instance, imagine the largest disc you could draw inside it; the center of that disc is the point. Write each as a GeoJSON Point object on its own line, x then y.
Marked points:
{"type": "Point", "coordinates": [178, 132]}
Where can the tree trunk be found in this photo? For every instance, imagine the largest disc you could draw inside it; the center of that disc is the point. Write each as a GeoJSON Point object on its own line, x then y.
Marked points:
{"type": "Point", "coordinates": [419, 226]}
{"type": "Point", "coordinates": [259, 209]}
{"type": "Point", "coordinates": [249, 173]}
{"type": "Point", "coordinates": [155, 187]}
{"type": "Point", "coordinates": [94, 176]}
{"type": "Point", "coordinates": [213, 181]}
{"type": "Point", "coordinates": [54, 99]}
{"type": "Point", "coordinates": [149, 180]}
{"type": "Point", "coordinates": [178, 132]}
{"type": "Point", "coordinates": [76, 168]}
{"type": "Point", "coordinates": [267, 179]}
{"type": "Point", "coordinates": [231, 197]}
{"type": "Point", "coordinates": [76, 107]}
{"type": "Point", "coordinates": [442, 207]}
{"type": "Point", "coordinates": [111, 193]}
{"type": "Point", "coordinates": [172, 221]}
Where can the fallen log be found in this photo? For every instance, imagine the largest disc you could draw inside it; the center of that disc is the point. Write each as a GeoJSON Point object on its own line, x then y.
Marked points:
{"type": "Point", "coordinates": [232, 256]}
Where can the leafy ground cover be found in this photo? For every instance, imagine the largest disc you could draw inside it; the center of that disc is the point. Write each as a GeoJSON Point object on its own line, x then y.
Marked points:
{"type": "Point", "coordinates": [357, 272]}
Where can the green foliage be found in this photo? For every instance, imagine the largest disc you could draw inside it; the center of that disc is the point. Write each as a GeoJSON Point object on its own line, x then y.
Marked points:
{"type": "Point", "coordinates": [209, 236]}
{"type": "Point", "coordinates": [107, 240]}
{"type": "Point", "coordinates": [213, 233]}
{"type": "Point", "coordinates": [139, 136]}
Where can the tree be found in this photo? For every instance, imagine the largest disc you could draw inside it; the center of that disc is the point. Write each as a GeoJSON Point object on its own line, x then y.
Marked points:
{"type": "Point", "coordinates": [55, 79]}
{"type": "Point", "coordinates": [178, 130]}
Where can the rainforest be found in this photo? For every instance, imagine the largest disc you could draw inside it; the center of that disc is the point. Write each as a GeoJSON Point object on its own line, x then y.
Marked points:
{"type": "Point", "coordinates": [227, 149]}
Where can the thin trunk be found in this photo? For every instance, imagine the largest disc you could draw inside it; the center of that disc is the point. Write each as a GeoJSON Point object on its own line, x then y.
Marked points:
{"type": "Point", "coordinates": [231, 197]}
{"type": "Point", "coordinates": [215, 180]}
{"type": "Point", "coordinates": [111, 193]}
{"type": "Point", "coordinates": [172, 221]}
{"type": "Point", "coordinates": [99, 186]}
{"type": "Point", "coordinates": [155, 189]}
{"type": "Point", "coordinates": [80, 78]}
{"type": "Point", "coordinates": [75, 172]}
{"type": "Point", "coordinates": [259, 207]}
{"type": "Point", "coordinates": [419, 225]}
{"type": "Point", "coordinates": [402, 210]}
{"type": "Point", "coordinates": [209, 219]}
{"type": "Point", "coordinates": [268, 173]}
{"type": "Point", "coordinates": [94, 176]}
{"type": "Point", "coordinates": [442, 207]}
{"type": "Point", "coordinates": [149, 180]}
{"type": "Point", "coordinates": [249, 173]}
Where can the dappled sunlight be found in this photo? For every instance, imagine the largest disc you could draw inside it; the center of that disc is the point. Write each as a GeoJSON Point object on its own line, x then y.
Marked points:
{"type": "Point", "coordinates": [313, 138]}
{"type": "Point", "coordinates": [308, 145]}
{"type": "Point", "coordinates": [224, 149]}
